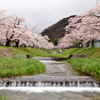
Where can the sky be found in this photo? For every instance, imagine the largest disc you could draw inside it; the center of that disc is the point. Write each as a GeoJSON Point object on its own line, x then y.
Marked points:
{"type": "Point", "coordinates": [44, 13]}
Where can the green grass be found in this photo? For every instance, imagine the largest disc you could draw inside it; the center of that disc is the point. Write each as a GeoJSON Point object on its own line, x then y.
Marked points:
{"type": "Point", "coordinates": [25, 51]}
{"type": "Point", "coordinates": [28, 50]}
{"type": "Point", "coordinates": [17, 66]}
{"type": "Point", "coordinates": [2, 98]}
{"type": "Point", "coordinates": [90, 52]}
{"type": "Point", "coordinates": [87, 66]}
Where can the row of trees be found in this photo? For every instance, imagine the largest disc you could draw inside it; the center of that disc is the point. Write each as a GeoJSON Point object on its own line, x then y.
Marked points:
{"type": "Point", "coordinates": [82, 29]}
{"type": "Point", "coordinates": [14, 33]}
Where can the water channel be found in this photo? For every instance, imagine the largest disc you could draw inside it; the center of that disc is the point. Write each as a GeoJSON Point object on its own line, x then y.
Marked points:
{"type": "Point", "coordinates": [59, 82]}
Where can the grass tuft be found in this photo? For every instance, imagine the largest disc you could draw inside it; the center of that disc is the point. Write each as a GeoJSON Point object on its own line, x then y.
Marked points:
{"type": "Point", "coordinates": [2, 98]}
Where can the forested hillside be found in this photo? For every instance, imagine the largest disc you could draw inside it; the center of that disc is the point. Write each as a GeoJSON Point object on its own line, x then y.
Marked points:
{"type": "Point", "coordinates": [56, 30]}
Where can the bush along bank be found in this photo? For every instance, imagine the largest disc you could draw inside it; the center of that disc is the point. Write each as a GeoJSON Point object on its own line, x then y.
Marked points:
{"type": "Point", "coordinates": [87, 66]}
{"type": "Point", "coordinates": [16, 66]}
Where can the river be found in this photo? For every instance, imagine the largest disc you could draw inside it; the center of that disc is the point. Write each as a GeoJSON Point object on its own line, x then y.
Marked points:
{"type": "Point", "coordinates": [56, 72]}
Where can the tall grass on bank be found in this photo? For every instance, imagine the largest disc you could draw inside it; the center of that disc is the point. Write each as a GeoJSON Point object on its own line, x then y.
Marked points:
{"type": "Point", "coordinates": [2, 98]}
{"type": "Point", "coordinates": [88, 66]}
{"type": "Point", "coordinates": [17, 66]}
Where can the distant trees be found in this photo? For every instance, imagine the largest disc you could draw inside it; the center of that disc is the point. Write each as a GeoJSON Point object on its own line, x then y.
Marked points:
{"type": "Point", "coordinates": [13, 33]}
{"type": "Point", "coordinates": [54, 41]}
{"type": "Point", "coordinates": [82, 28]}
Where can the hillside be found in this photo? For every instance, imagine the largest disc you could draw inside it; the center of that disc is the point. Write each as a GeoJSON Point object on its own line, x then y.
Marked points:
{"type": "Point", "coordinates": [57, 29]}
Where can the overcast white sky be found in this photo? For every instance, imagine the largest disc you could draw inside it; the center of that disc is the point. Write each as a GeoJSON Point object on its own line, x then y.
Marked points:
{"type": "Point", "coordinates": [43, 13]}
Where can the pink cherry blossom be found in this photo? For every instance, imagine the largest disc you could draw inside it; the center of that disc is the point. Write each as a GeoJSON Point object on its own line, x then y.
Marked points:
{"type": "Point", "coordinates": [14, 33]}
{"type": "Point", "coordinates": [82, 28]}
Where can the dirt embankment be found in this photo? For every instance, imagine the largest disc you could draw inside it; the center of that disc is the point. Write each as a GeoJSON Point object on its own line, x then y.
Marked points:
{"type": "Point", "coordinates": [5, 53]}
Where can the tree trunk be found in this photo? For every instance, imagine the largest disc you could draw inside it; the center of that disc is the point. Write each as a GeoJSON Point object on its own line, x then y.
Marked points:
{"type": "Point", "coordinates": [17, 43]}
{"type": "Point", "coordinates": [8, 42]}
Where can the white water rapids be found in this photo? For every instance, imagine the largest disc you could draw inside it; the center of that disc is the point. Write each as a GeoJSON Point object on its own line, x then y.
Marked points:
{"type": "Point", "coordinates": [51, 89]}
{"type": "Point", "coordinates": [46, 84]}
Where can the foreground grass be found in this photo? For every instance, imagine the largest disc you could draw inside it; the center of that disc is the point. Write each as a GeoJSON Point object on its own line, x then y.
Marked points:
{"type": "Point", "coordinates": [87, 66]}
{"type": "Point", "coordinates": [2, 98]}
{"type": "Point", "coordinates": [17, 66]}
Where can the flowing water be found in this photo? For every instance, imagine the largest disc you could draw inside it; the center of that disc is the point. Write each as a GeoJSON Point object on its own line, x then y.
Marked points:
{"type": "Point", "coordinates": [59, 82]}
{"type": "Point", "coordinates": [51, 93]}
{"type": "Point", "coordinates": [48, 84]}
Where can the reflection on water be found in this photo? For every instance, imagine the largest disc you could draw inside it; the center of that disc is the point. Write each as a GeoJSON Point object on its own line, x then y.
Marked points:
{"type": "Point", "coordinates": [51, 93]}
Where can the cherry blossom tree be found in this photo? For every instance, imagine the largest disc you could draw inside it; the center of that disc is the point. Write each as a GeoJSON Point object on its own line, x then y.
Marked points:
{"type": "Point", "coordinates": [14, 33]}
{"type": "Point", "coordinates": [97, 1]}
{"type": "Point", "coordinates": [82, 28]}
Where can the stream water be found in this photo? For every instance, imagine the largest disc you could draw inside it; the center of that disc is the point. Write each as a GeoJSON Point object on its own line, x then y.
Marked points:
{"type": "Point", "coordinates": [59, 82]}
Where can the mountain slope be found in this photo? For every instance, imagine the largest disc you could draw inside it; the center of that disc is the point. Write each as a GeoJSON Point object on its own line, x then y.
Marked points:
{"type": "Point", "coordinates": [57, 29]}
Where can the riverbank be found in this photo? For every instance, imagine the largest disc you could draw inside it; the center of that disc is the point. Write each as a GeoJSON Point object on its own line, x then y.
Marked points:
{"type": "Point", "coordinates": [16, 66]}
{"type": "Point", "coordinates": [87, 66]}
{"type": "Point", "coordinates": [9, 51]}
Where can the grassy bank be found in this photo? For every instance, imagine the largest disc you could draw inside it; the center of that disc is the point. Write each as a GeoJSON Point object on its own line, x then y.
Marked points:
{"type": "Point", "coordinates": [90, 52]}
{"type": "Point", "coordinates": [87, 66]}
{"type": "Point", "coordinates": [2, 98]}
{"type": "Point", "coordinates": [17, 66]}
{"type": "Point", "coordinates": [27, 51]}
